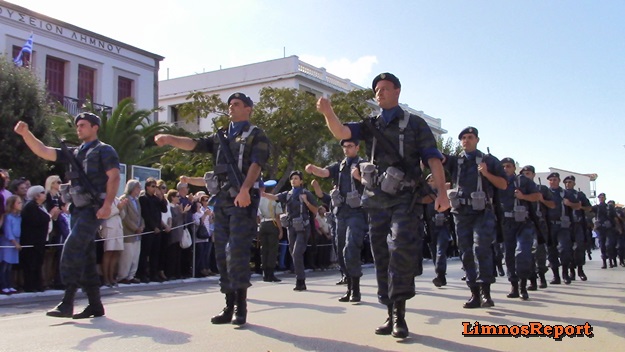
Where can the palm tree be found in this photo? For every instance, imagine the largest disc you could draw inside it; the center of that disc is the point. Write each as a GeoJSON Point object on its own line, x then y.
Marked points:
{"type": "Point", "coordinates": [127, 129]}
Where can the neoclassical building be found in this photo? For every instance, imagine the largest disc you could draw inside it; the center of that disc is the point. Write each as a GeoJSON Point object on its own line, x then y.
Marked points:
{"type": "Point", "coordinates": [75, 64]}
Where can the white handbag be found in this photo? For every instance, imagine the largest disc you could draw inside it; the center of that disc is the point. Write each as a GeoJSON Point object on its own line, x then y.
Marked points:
{"type": "Point", "coordinates": [185, 241]}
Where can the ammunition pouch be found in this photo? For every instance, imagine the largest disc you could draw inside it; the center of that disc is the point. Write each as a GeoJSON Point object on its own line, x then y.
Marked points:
{"type": "Point", "coordinates": [212, 182]}
{"type": "Point", "coordinates": [337, 199]}
{"type": "Point", "coordinates": [353, 199]}
{"type": "Point", "coordinates": [368, 175]}
{"type": "Point", "coordinates": [439, 219]}
{"type": "Point", "coordinates": [478, 200]}
{"type": "Point", "coordinates": [391, 180]}
{"type": "Point", "coordinates": [520, 213]}
{"type": "Point", "coordinates": [284, 220]}
{"type": "Point", "coordinates": [76, 195]}
{"type": "Point", "coordinates": [299, 224]}
{"type": "Point", "coordinates": [565, 222]}
{"type": "Point", "coordinates": [454, 199]}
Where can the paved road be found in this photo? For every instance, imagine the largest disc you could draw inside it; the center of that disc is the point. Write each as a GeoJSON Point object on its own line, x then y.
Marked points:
{"type": "Point", "coordinates": [174, 316]}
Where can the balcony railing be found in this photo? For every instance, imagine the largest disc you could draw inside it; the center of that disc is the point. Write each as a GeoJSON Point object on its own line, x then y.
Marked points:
{"type": "Point", "coordinates": [75, 106]}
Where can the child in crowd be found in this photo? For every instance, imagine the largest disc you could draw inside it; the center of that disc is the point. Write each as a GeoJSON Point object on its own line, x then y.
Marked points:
{"type": "Point", "coordinates": [12, 232]}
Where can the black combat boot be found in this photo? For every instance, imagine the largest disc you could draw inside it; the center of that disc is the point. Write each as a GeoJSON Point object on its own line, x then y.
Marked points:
{"type": "Point", "coordinates": [387, 327]}
{"type": "Point", "coordinates": [523, 290]}
{"type": "Point", "coordinates": [225, 316]}
{"type": "Point", "coordinates": [565, 275]}
{"type": "Point", "coordinates": [581, 273]}
{"type": "Point", "coordinates": [300, 285]}
{"type": "Point", "coordinates": [543, 280]}
{"type": "Point", "coordinates": [65, 309]}
{"type": "Point", "coordinates": [500, 268]}
{"type": "Point", "coordinates": [572, 273]}
{"type": "Point", "coordinates": [514, 292]}
{"type": "Point", "coordinates": [240, 310]}
{"type": "Point", "coordinates": [347, 295]}
{"type": "Point", "coordinates": [95, 308]}
{"type": "Point", "coordinates": [604, 266]}
{"type": "Point", "coordinates": [355, 290]}
{"type": "Point", "coordinates": [266, 275]}
{"type": "Point", "coordinates": [612, 263]}
{"type": "Point", "coordinates": [400, 329]}
{"type": "Point", "coordinates": [474, 301]}
{"type": "Point", "coordinates": [486, 300]}
{"type": "Point", "coordinates": [439, 280]}
{"type": "Point", "coordinates": [343, 280]}
{"type": "Point", "coordinates": [533, 286]}
{"type": "Point", "coordinates": [556, 277]}
{"type": "Point", "coordinates": [271, 274]}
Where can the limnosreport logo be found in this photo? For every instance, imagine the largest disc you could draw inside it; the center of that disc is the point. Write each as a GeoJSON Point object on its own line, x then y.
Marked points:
{"type": "Point", "coordinates": [532, 329]}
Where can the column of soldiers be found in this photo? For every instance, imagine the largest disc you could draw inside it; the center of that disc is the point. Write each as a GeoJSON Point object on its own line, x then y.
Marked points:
{"type": "Point", "coordinates": [384, 193]}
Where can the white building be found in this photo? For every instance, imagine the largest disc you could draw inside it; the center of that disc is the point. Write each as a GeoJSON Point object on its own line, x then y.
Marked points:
{"type": "Point", "coordinates": [76, 64]}
{"type": "Point", "coordinates": [583, 182]}
{"type": "Point", "coordinates": [288, 72]}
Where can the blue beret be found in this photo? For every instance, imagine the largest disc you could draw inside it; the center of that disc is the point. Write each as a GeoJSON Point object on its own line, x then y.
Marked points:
{"type": "Point", "coordinates": [569, 178]}
{"type": "Point", "coordinates": [355, 141]}
{"type": "Point", "coordinates": [242, 97]}
{"type": "Point", "coordinates": [92, 118]}
{"type": "Point", "coordinates": [386, 77]}
{"type": "Point", "coordinates": [553, 174]}
{"type": "Point", "coordinates": [508, 161]}
{"type": "Point", "coordinates": [298, 173]}
{"type": "Point", "coordinates": [528, 168]}
{"type": "Point", "coordinates": [468, 130]}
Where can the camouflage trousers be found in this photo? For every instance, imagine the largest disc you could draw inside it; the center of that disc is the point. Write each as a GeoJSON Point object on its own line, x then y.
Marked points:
{"type": "Point", "coordinates": [395, 242]}
{"type": "Point", "coordinates": [518, 238]}
{"type": "Point", "coordinates": [78, 259]}
{"type": "Point", "coordinates": [350, 235]}
{"type": "Point", "coordinates": [476, 233]}
{"type": "Point", "coordinates": [580, 245]}
{"type": "Point", "coordinates": [561, 250]}
{"type": "Point", "coordinates": [235, 230]}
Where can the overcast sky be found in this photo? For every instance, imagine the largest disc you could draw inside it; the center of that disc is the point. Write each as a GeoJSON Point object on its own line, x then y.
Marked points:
{"type": "Point", "coordinates": [543, 81]}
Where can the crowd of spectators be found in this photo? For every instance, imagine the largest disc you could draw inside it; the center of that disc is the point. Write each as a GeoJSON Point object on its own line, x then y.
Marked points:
{"type": "Point", "coordinates": [139, 243]}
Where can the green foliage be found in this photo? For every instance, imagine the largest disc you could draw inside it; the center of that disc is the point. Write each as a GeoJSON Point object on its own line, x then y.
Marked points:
{"type": "Point", "coordinates": [22, 98]}
{"type": "Point", "coordinates": [449, 146]}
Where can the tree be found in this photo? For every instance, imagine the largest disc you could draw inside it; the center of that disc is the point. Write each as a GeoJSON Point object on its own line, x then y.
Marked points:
{"type": "Point", "coordinates": [23, 98]}
{"type": "Point", "coordinates": [127, 129]}
{"type": "Point", "coordinates": [449, 146]}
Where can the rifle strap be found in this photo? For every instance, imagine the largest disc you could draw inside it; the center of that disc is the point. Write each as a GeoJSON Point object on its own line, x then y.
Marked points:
{"type": "Point", "coordinates": [403, 123]}
{"type": "Point", "coordinates": [243, 142]}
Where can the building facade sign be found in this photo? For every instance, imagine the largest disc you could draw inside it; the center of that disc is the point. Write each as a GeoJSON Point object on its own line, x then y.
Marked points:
{"type": "Point", "coordinates": [47, 26]}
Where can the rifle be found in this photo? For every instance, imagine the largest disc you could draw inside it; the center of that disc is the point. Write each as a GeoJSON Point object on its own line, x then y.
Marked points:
{"type": "Point", "coordinates": [546, 215]}
{"type": "Point", "coordinates": [395, 159]}
{"type": "Point", "coordinates": [235, 176]}
{"type": "Point", "coordinates": [496, 205]}
{"type": "Point", "coordinates": [80, 172]}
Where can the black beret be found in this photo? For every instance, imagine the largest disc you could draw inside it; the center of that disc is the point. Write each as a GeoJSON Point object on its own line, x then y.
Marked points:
{"type": "Point", "coordinates": [386, 77]}
{"type": "Point", "coordinates": [298, 173]}
{"type": "Point", "coordinates": [91, 117]}
{"type": "Point", "coordinates": [553, 174]}
{"type": "Point", "coordinates": [242, 97]}
{"type": "Point", "coordinates": [355, 141]}
{"type": "Point", "coordinates": [569, 178]}
{"type": "Point", "coordinates": [601, 195]}
{"type": "Point", "coordinates": [468, 130]}
{"type": "Point", "coordinates": [528, 168]}
{"type": "Point", "coordinates": [508, 161]}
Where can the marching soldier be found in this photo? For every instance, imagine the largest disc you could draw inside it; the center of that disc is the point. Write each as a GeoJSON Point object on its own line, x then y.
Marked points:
{"type": "Point", "coordinates": [235, 209]}
{"type": "Point", "coordinates": [518, 230]}
{"type": "Point", "coordinates": [397, 143]}
{"type": "Point", "coordinates": [560, 218]}
{"type": "Point", "coordinates": [580, 207]}
{"type": "Point", "coordinates": [351, 222]}
{"type": "Point", "coordinates": [475, 177]}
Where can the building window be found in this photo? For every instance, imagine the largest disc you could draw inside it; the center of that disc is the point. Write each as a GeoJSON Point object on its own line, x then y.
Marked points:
{"type": "Point", "coordinates": [26, 57]}
{"type": "Point", "coordinates": [124, 88]}
{"type": "Point", "coordinates": [55, 77]}
{"type": "Point", "coordinates": [86, 83]}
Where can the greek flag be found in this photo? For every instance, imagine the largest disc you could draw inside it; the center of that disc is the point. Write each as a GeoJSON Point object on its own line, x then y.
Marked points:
{"type": "Point", "coordinates": [27, 48]}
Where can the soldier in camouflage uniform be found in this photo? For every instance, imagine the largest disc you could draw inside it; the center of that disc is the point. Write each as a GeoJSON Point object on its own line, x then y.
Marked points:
{"type": "Point", "coordinates": [476, 176]}
{"type": "Point", "coordinates": [235, 215]}
{"type": "Point", "coordinates": [101, 166]}
{"type": "Point", "coordinates": [392, 218]}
